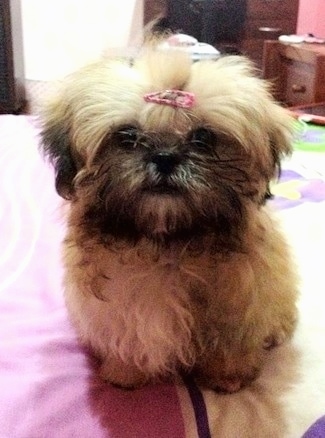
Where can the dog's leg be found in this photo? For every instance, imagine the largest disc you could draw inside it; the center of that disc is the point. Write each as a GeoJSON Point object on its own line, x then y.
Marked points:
{"type": "Point", "coordinates": [253, 311]}
{"type": "Point", "coordinates": [232, 330]}
{"type": "Point", "coordinates": [277, 285]}
{"type": "Point", "coordinates": [122, 374]}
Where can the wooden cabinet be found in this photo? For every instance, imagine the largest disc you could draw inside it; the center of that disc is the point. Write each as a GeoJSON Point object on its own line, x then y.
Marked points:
{"type": "Point", "coordinates": [11, 57]}
{"type": "Point", "coordinates": [267, 20]}
{"type": "Point", "coordinates": [296, 70]}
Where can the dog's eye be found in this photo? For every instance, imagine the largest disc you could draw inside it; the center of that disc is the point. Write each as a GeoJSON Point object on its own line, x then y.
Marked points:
{"type": "Point", "coordinates": [202, 138]}
{"type": "Point", "coordinates": [127, 136]}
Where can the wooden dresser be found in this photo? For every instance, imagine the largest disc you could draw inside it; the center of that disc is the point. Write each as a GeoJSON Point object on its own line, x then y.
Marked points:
{"type": "Point", "coordinates": [267, 20]}
{"type": "Point", "coordinates": [297, 72]}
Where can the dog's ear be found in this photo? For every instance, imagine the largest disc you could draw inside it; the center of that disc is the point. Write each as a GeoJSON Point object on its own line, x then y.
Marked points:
{"type": "Point", "coordinates": [56, 145]}
{"type": "Point", "coordinates": [281, 128]}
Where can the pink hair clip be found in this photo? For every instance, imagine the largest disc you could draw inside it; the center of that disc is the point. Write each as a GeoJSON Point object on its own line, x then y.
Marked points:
{"type": "Point", "coordinates": [175, 98]}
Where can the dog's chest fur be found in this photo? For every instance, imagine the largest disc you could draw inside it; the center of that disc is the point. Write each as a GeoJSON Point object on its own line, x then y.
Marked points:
{"type": "Point", "coordinates": [147, 309]}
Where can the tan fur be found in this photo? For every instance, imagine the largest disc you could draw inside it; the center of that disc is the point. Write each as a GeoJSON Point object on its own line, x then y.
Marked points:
{"type": "Point", "coordinates": [206, 304]}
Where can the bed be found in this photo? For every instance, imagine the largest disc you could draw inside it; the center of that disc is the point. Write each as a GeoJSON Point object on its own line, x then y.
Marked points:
{"type": "Point", "coordinates": [48, 384]}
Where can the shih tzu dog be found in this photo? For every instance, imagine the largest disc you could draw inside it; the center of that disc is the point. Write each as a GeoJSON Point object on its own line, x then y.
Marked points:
{"type": "Point", "coordinates": [173, 263]}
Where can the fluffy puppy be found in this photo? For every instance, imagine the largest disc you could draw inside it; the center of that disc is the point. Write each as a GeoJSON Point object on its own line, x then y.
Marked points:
{"type": "Point", "coordinates": [173, 263]}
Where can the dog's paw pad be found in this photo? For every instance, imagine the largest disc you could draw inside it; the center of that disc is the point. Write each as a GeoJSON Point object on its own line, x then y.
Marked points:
{"type": "Point", "coordinates": [233, 383]}
{"type": "Point", "coordinates": [275, 340]}
{"type": "Point", "coordinates": [228, 386]}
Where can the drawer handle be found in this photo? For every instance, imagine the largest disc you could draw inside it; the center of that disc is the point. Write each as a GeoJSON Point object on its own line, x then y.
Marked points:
{"type": "Point", "coordinates": [270, 29]}
{"type": "Point", "coordinates": [298, 88]}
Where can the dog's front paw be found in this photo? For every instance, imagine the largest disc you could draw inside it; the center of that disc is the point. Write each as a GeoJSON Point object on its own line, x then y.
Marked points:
{"type": "Point", "coordinates": [122, 375]}
{"type": "Point", "coordinates": [228, 372]}
{"type": "Point", "coordinates": [229, 383]}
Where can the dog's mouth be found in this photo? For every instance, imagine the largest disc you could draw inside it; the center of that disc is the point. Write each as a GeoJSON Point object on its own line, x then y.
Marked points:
{"type": "Point", "coordinates": [163, 187]}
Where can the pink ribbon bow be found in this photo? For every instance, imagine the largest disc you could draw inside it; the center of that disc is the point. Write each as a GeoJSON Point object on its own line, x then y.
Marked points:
{"type": "Point", "coordinates": [174, 98]}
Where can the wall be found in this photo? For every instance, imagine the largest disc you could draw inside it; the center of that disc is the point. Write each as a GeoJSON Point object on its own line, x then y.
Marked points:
{"type": "Point", "coordinates": [311, 17]}
{"type": "Point", "coordinates": [62, 35]}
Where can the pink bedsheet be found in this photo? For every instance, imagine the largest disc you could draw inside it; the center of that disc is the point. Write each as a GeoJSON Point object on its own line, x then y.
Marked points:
{"type": "Point", "coordinates": [48, 388]}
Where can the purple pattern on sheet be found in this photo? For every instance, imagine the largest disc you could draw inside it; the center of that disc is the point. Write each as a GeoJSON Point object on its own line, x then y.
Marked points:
{"type": "Point", "coordinates": [200, 410]}
{"type": "Point", "coordinates": [294, 189]}
{"type": "Point", "coordinates": [317, 430]}
{"type": "Point", "coordinates": [312, 136]}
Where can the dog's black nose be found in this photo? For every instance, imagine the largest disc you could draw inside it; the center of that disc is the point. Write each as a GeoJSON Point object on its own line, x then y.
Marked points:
{"type": "Point", "coordinates": [165, 161]}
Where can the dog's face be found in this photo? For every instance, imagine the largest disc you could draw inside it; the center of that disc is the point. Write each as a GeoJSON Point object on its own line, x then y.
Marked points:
{"type": "Point", "coordinates": [135, 168]}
